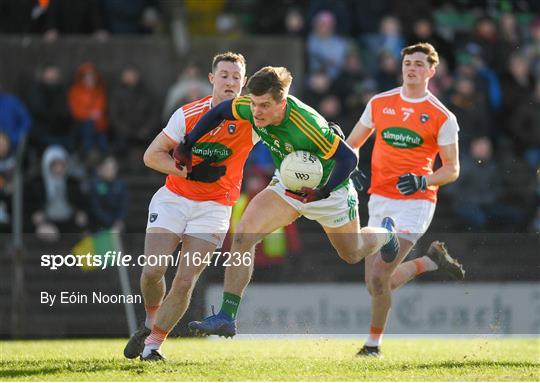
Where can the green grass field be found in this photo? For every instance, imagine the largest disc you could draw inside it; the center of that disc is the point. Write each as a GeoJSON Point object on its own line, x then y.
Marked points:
{"type": "Point", "coordinates": [315, 360]}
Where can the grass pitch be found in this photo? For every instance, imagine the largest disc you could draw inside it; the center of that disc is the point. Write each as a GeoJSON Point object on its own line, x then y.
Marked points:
{"type": "Point", "coordinates": [291, 360]}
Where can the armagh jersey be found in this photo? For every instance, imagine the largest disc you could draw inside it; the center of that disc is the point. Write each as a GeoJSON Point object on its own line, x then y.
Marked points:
{"type": "Point", "coordinates": [229, 144]}
{"type": "Point", "coordinates": [301, 129]}
{"type": "Point", "coordinates": [408, 135]}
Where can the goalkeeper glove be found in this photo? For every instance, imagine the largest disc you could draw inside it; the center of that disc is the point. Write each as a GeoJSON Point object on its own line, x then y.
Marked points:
{"type": "Point", "coordinates": [410, 183]}
{"type": "Point", "coordinates": [307, 195]}
{"type": "Point", "coordinates": [204, 172]}
{"type": "Point", "coordinates": [182, 155]}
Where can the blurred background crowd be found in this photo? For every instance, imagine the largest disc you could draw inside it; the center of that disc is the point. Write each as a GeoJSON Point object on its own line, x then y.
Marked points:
{"type": "Point", "coordinates": [83, 127]}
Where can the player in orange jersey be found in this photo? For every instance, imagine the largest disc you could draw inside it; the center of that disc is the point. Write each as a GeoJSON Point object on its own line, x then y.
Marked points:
{"type": "Point", "coordinates": [194, 208]}
{"type": "Point", "coordinates": [411, 128]}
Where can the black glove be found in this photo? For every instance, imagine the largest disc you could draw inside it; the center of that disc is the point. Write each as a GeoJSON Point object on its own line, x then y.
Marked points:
{"type": "Point", "coordinates": [204, 172]}
{"type": "Point", "coordinates": [359, 179]}
{"type": "Point", "coordinates": [336, 129]}
{"type": "Point", "coordinates": [182, 156]}
{"type": "Point", "coordinates": [307, 195]}
{"type": "Point", "coordinates": [410, 183]}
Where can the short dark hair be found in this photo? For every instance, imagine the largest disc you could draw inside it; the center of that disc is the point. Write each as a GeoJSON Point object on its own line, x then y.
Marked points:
{"type": "Point", "coordinates": [427, 48]}
{"type": "Point", "coordinates": [228, 56]}
{"type": "Point", "coordinates": [273, 80]}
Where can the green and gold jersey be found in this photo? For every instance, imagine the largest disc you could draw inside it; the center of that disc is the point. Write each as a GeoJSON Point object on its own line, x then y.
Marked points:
{"type": "Point", "coordinates": [301, 129]}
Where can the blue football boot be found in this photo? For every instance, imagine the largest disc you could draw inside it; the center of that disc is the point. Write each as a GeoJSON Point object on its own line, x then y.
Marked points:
{"type": "Point", "coordinates": [216, 324]}
{"type": "Point", "coordinates": [390, 249]}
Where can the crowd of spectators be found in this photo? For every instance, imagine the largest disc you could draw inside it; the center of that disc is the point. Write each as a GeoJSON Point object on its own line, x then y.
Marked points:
{"type": "Point", "coordinates": [101, 18]}
{"type": "Point", "coordinates": [489, 76]}
{"type": "Point", "coordinates": [77, 124]}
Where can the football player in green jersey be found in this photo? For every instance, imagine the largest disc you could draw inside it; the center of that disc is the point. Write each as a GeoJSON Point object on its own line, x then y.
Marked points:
{"type": "Point", "coordinates": [285, 124]}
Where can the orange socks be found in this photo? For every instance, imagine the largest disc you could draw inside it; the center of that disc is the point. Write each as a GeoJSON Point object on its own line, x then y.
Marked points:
{"type": "Point", "coordinates": [420, 265]}
{"type": "Point", "coordinates": [156, 337]}
{"type": "Point", "coordinates": [375, 336]}
{"type": "Point", "coordinates": [424, 264]}
{"type": "Point", "coordinates": [154, 340]}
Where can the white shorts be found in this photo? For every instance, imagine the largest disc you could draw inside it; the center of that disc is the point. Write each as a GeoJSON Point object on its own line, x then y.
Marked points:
{"type": "Point", "coordinates": [412, 216]}
{"type": "Point", "coordinates": [207, 220]}
{"type": "Point", "coordinates": [335, 211]}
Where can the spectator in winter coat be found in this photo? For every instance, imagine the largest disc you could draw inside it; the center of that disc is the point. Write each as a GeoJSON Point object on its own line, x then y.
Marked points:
{"type": "Point", "coordinates": [54, 198]}
{"type": "Point", "coordinates": [48, 104]}
{"type": "Point", "coordinates": [108, 197]}
{"type": "Point", "coordinates": [88, 103]}
{"type": "Point", "coordinates": [15, 120]}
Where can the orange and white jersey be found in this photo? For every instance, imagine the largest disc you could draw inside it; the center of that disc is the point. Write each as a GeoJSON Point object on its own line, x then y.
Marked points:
{"type": "Point", "coordinates": [408, 135]}
{"type": "Point", "coordinates": [229, 144]}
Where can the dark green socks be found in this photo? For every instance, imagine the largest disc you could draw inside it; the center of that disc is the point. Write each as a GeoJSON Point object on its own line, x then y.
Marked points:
{"type": "Point", "coordinates": [230, 304]}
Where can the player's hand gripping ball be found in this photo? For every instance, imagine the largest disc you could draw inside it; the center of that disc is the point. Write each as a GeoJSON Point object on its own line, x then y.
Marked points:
{"type": "Point", "coordinates": [307, 195]}
{"type": "Point", "coordinates": [182, 156]}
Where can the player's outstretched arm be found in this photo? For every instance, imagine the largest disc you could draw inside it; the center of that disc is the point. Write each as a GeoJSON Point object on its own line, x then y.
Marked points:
{"type": "Point", "coordinates": [210, 120]}
{"type": "Point", "coordinates": [346, 161]}
{"type": "Point", "coordinates": [359, 136]}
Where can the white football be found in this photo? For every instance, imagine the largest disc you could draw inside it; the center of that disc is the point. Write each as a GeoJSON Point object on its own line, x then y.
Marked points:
{"type": "Point", "coordinates": [301, 169]}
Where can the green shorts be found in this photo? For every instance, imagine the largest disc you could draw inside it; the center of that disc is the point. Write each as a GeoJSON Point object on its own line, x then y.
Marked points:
{"type": "Point", "coordinates": [338, 209]}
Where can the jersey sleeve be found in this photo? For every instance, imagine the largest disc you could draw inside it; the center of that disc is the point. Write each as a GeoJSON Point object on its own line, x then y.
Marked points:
{"type": "Point", "coordinates": [176, 127]}
{"type": "Point", "coordinates": [241, 108]}
{"type": "Point", "coordinates": [323, 140]}
{"type": "Point", "coordinates": [330, 143]}
{"type": "Point", "coordinates": [448, 133]}
{"type": "Point", "coordinates": [366, 118]}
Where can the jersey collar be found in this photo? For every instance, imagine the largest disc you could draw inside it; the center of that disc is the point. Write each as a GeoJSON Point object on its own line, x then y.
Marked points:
{"type": "Point", "coordinates": [287, 109]}
{"type": "Point", "coordinates": [413, 100]}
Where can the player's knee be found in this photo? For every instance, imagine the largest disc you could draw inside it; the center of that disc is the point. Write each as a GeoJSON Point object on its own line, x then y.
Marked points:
{"type": "Point", "coordinates": [350, 257]}
{"type": "Point", "coordinates": [151, 275]}
{"type": "Point", "coordinates": [370, 243]}
{"type": "Point", "coordinates": [243, 241]}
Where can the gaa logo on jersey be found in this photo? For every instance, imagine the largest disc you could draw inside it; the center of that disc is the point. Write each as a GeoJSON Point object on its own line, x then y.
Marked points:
{"type": "Point", "coordinates": [153, 217]}
{"type": "Point", "coordinates": [231, 128]}
{"type": "Point", "coordinates": [288, 147]}
{"type": "Point", "coordinates": [424, 117]}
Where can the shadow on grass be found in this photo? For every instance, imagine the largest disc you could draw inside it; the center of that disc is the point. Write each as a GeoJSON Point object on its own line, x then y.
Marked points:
{"type": "Point", "coordinates": [54, 367]}
{"type": "Point", "coordinates": [476, 364]}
